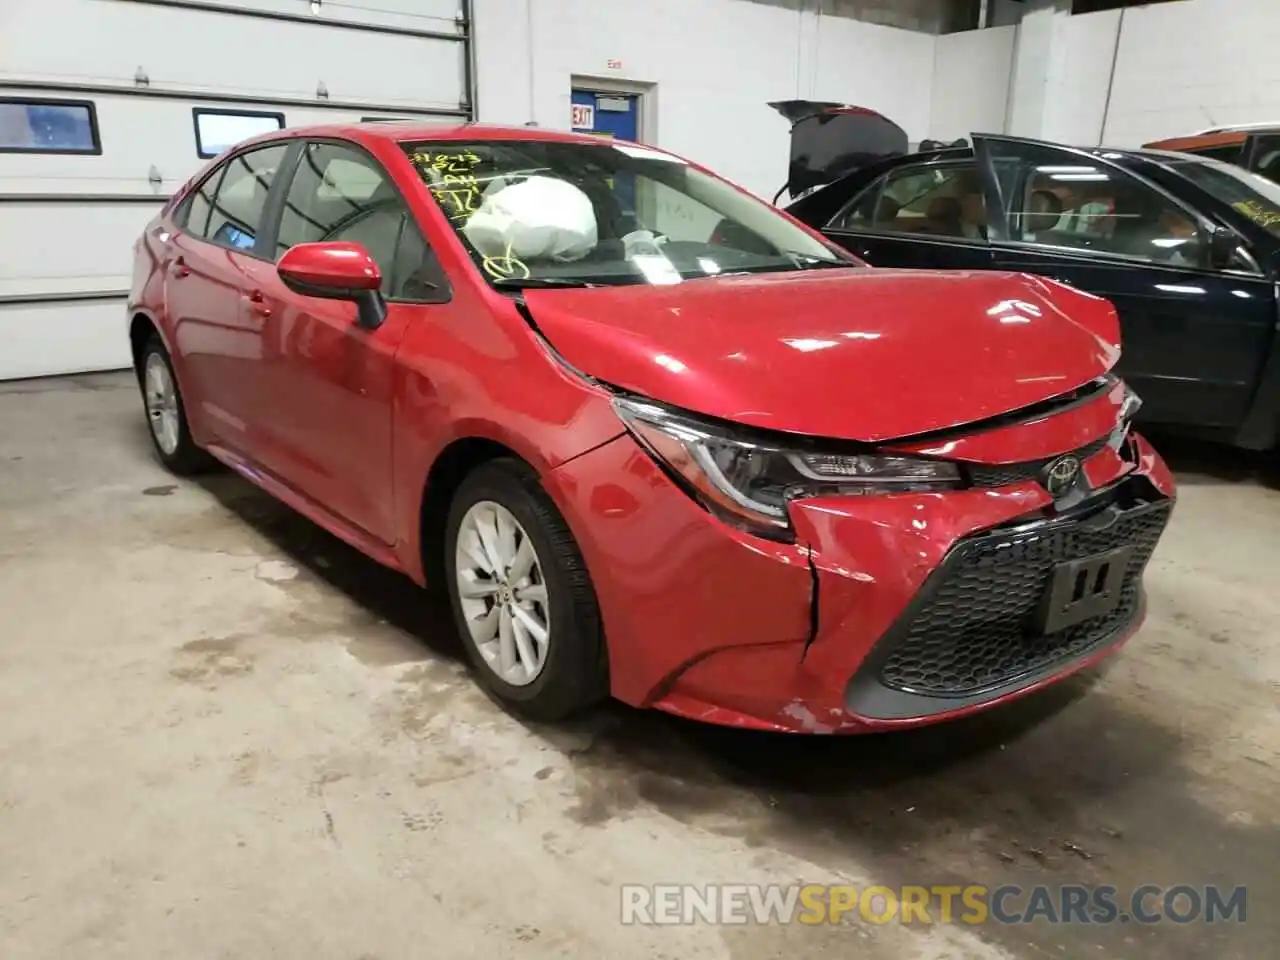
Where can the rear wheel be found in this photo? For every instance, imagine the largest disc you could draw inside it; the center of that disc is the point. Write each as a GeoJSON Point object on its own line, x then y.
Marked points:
{"type": "Point", "coordinates": [521, 597]}
{"type": "Point", "coordinates": [166, 414]}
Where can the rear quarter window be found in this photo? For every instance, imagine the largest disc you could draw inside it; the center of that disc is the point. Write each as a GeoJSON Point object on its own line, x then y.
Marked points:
{"type": "Point", "coordinates": [1227, 154]}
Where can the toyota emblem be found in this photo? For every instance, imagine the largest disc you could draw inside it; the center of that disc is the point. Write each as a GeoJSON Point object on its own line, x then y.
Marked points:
{"type": "Point", "coordinates": [1061, 475]}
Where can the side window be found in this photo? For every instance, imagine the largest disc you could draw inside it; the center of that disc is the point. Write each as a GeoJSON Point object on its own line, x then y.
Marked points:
{"type": "Point", "coordinates": [1266, 157]}
{"type": "Point", "coordinates": [48, 126]}
{"type": "Point", "coordinates": [333, 185]}
{"type": "Point", "coordinates": [194, 214]}
{"type": "Point", "coordinates": [1061, 199]}
{"type": "Point", "coordinates": [219, 130]}
{"type": "Point", "coordinates": [936, 200]}
{"type": "Point", "coordinates": [339, 193]}
{"type": "Point", "coordinates": [416, 274]}
{"type": "Point", "coordinates": [237, 207]}
{"type": "Point", "coordinates": [1227, 154]}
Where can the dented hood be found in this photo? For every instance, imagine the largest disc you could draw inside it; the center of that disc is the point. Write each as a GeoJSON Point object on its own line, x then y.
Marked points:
{"type": "Point", "coordinates": [858, 354]}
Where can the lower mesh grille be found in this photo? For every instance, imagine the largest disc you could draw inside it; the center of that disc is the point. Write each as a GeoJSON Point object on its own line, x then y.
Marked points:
{"type": "Point", "coordinates": [977, 628]}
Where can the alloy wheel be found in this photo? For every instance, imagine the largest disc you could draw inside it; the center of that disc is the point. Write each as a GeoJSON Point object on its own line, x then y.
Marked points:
{"type": "Point", "coordinates": [161, 397]}
{"type": "Point", "coordinates": [503, 593]}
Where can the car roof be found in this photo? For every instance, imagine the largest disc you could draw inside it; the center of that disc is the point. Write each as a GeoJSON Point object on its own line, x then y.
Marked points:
{"type": "Point", "coordinates": [1220, 138]}
{"type": "Point", "coordinates": [1107, 153]}
{"type": "Point", "coordinates": [1246, 127]}
{"type": "Point", "coordinates": [400, 131]}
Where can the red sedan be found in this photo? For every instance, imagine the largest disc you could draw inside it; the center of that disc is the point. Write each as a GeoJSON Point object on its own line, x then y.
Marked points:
{"type": "Point", "coordinates": [657, 439]}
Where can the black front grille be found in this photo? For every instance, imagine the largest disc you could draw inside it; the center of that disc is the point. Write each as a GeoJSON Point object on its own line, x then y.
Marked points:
{"type": "Point", "coordinates": [1003, 474]}
{"type": "Point", "coordinates": [975, 627]}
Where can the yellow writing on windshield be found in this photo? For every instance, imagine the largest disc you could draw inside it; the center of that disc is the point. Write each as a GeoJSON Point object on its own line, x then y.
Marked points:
{"type": "Point", "coordinates": [461, 161]}
{"type": "Point", "coordinates": [504, 268]}
{"type": "Point", "coordinates": [1258, 213]}
{"type": "Point", "coordinates": [450, 175]}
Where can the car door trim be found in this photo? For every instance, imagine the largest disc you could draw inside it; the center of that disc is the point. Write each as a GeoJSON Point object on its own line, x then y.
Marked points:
{"type": "Point", "coordinates": [1122, 259]}
{"type": "Point", "coordinates": [916, 237]}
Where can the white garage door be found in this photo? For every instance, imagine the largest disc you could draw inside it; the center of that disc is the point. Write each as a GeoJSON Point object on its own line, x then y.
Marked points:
{"type": "Point", "coordinates": [106, 106]}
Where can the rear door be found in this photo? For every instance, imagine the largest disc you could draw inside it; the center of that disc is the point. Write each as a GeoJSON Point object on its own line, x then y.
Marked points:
{"type": "Point", "coordinates": [216, 329]}
{"type": "Point", "coordinates": [1194, 338]}
{"type": "Point", "coordinates": [928, 214]}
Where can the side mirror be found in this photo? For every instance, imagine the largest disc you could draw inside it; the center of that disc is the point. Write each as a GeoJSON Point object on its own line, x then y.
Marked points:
{"type": "Point", "coordinates": [336, 271]}
{"type": "Point", "coordinates": [1224, 244]}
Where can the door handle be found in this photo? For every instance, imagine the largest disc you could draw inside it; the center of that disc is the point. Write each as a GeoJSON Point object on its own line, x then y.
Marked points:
{"type": "Point", "coordinates": [258, 304]}
{"type": "Point", "coordinates": [179, 268]}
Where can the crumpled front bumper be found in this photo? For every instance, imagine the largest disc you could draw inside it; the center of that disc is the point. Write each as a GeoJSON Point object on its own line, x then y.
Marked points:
{"type": "Point", "coordinates": [710, 623]}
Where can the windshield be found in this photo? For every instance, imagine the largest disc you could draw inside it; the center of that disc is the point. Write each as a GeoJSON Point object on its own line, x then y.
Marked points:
{"type": "Point", "coordinates": [535, 212]}
{"type": "Point", "coordinates": [1254, 196]}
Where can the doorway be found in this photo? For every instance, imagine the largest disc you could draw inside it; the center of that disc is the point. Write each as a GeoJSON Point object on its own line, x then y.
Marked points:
{"type": "Point", "coordinates": [606, 114]}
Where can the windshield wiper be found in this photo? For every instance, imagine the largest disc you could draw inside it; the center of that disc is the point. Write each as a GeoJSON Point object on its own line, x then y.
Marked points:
{"type": "Point", "coordinates": [807, 261]}
{"type": "Point", "coordinates": [534, 283]}
{"type": "Point", "coordinates": [797, 261]}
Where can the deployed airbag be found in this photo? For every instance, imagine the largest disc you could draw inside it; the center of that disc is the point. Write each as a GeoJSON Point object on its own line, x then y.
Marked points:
{"type": "Point", "coordinates": [540, 218]}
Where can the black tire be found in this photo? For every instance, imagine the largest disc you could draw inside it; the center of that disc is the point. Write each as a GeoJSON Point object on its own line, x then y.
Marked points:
{"type": "Point", "coordinates": [575, 673]}
{"type": "Point", "coordinates": [186, 459]}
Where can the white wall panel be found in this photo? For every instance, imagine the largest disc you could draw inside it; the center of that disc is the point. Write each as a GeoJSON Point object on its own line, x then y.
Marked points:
{"type": "Point", "coordinates": [1031, 70]}
{"type": "Point", "coordinates": [1178, 68]}
{"type": "Point", "coordinates": [48, 338]}
{"type": "Point", "coordinates": [879, 67]}
{"type": "Point", "coordinates": [67, 247]}
{"type": "Point", "coordinates": [715, 63]}
{"type": "Point", "coordinates": [1186, 66]}
{"type": "Point", "coordinates": [432, 15]}
{"type": "Point", "coordinates": [971, 80]}
{"type": "Point", "coordinates": [1078, 77]}
{"type": "Point", "coordinates": [139, 133]}
{"type": "Point", "coordinates": [63, 40]}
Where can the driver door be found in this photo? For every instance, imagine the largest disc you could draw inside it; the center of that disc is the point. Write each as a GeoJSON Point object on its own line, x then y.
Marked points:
{"type": "Point", "coordinates": [1193, 336]}
{"type": "Point", "coordinates": [332, 381]}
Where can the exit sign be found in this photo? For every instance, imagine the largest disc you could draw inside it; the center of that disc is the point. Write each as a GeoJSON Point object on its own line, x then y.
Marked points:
{"type": "Point", "coordinates": [584, 117]}
{"type": "Point", "coordinates": [614, 64]}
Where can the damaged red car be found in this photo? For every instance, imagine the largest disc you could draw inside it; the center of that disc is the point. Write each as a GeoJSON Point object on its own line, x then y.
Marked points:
{"type": "Point", "coordinates": [656, 439]}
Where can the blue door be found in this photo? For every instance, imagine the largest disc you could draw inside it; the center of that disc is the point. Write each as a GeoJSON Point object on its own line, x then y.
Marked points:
{"type": "Point", "coordinates": [606, 114]}
{"type": "Point", "coordinates": [613, 115]}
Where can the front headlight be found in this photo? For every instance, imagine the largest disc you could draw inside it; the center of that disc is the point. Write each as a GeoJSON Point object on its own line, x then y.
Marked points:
{"type": "Point", "coordinates": [749, 483]}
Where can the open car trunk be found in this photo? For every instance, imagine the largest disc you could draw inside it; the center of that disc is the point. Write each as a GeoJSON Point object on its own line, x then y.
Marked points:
{"type": "Point", "coordinates": [830, 140]}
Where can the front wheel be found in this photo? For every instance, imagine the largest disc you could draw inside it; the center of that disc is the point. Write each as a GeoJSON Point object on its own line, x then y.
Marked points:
{"type": "Point", "coordinates": [166, 414]}
{"type": "Point", "coordinates": [521, 596]}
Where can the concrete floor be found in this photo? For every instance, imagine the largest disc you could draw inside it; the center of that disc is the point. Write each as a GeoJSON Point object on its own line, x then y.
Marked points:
{"type": "Point", "coordinates": [225, 734]}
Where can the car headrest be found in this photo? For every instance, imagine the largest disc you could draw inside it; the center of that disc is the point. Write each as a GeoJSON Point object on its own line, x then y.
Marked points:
{"type": "Point", "coordinates": [887, 209]}
{"type": "Point", "coordinates": [1044, 210]}
{"type": "Point", "coordinates": [945, 210]}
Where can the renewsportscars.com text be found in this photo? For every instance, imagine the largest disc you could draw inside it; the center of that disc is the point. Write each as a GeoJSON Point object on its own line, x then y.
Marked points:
{"type": "Point", "coordinates": [973, 904]}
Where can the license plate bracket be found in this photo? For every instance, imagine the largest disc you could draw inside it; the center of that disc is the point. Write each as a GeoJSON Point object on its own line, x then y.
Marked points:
{"type": "Point", "coordinates": [1081, 589]}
